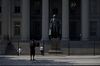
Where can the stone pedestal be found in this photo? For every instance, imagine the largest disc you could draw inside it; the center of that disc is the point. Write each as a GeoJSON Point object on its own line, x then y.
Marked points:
{"type": "Point", "coordinates": [55, 46]}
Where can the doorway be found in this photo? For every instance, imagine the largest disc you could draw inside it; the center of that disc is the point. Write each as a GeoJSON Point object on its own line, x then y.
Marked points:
{"type": "Point", "coordinates": [75, 20]}
{"type": "Point", "coordinates": [35, 19]}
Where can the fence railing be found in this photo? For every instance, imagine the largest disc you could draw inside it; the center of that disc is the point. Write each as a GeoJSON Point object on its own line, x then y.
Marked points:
{"type": "Point", "coordinates": [92, 45]}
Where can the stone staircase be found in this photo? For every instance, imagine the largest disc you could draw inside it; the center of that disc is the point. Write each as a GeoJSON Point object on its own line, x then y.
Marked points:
{"type": "Point", "coordinates": [3, 45]}
{"type": "Point", "coordinates": [55, 47]}
{"type": "Point", "coordinates": [10, 49]}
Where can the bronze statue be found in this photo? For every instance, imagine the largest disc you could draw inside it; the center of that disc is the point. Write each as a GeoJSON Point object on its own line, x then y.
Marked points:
{"type": "Point", "coordinates": [54, 27]}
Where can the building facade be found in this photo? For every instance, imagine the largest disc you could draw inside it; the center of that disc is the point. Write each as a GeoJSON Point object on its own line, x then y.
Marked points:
{"type": "Point", "coordinates": [30, 19]}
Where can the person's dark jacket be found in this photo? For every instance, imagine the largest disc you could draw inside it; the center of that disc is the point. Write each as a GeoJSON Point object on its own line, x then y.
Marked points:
{"type": "Point", "coordinates": [32, 48]}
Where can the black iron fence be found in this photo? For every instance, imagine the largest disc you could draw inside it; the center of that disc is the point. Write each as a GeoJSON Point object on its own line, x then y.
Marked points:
{"type": "Point", "coordinates": [89, 47]}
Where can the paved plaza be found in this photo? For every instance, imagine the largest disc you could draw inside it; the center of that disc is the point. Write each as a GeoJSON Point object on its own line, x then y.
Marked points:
{"type": "Point", "coordinates": [51, 60]}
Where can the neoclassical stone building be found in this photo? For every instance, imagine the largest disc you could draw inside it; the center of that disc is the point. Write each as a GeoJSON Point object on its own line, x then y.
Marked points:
{"type": "Point", "coordinates": [30, 19]}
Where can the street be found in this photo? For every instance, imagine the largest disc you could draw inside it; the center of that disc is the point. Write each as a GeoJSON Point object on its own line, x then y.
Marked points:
{"type": "Point", "coordinates": [50, 60]}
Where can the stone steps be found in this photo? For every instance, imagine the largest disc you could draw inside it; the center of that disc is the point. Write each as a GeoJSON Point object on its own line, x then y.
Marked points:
{"type": "Point", "coordinates": [3, 45]}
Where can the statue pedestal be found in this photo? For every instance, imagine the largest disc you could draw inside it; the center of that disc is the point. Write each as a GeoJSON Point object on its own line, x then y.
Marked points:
{"type": "Point", "coordinates": [55, 46]}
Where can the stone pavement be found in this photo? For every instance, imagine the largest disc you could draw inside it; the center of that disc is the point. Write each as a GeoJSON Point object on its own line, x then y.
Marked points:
{"type": "Point", "coordinates": [51, 60]}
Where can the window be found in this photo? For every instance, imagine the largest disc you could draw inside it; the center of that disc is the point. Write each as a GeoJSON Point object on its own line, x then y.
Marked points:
{"type": "Point", "coordinates": [16, 6]}
{"type": "Point", "coordinates": [93, 28]}
{"type": "Point", "coordinates": [93, 7]}
{"type": "Point", "coordinates": [17, 9]}
{"type": "Point", "coordinates": [17, 27]}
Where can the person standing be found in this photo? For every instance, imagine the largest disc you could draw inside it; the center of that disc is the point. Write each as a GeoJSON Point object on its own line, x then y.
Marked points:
{"type": "Point", "coordinates": [32, 49]}
{"type": "Point", "coordinates": [19, 51]}
{"type": "Point", "coordinates": [42, 50]}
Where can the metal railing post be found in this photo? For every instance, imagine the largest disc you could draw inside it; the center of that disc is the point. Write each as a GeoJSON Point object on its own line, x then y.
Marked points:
{"type": "Point", "coordinates": [68, 48]}
{"type": "Point", "coordinates": [94, 47]}
{"type": "Point", "coordinates": [43, 47]}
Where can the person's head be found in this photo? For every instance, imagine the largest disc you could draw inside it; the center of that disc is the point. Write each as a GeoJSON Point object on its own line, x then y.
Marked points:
{"type": "Point", "coordinates": [54, 15]}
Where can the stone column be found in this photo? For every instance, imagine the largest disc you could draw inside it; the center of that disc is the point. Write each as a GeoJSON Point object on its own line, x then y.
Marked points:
{"type": "Point", "coordinates": [45, 20]}
{"type": "Point", "coordinates": [25, 30]}
{"type": "Point", "coordinates": [5, 17]}
{"type": "Point", "coordinates": [5, 25]}
{"type": "Point", "coordinates": [85, 19]}
{"type": "Point", "coordinates": [65, 19]}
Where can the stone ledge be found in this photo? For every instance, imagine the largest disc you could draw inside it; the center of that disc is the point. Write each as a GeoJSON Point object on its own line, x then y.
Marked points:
{"type": "Point", "coordinates": [55, 52]}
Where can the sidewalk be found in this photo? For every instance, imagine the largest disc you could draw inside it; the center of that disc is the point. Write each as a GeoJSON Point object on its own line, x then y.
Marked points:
{"type": "Point", "coordinates": [59, 60]}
